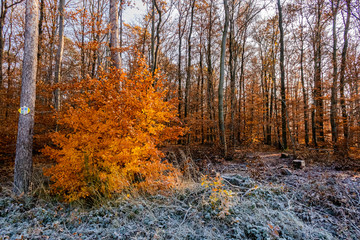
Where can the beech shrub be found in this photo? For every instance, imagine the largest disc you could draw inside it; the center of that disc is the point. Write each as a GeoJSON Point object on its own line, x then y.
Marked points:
{"type": "Point", "coordinates": [109, 134]}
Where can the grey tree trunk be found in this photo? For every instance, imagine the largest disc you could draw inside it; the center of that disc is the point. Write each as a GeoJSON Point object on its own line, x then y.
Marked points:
{"type": "Point", "coordinates": [3, 9]}
{"type": "Point", "coordinates": [179, 66]}
{"type": "Point", "coordinates": [23, 158]}
{"type": "Point", "coordinates": [114, 33]}
{"type": "Point", "coordinates": [342, 74]}
{"type": "Point", "coordinates": [221, 81]}
{"type": "Point", "coordinates": [282, 79]}
{"type": "Point", "coordinates": [188, 70]}
{"type": "Point", "coordinates": [333, 115]}
{"type": "Point", "coordinates": [306, 116]}
{"type": "Point", "coordinates": [319, 105]}
{"type": "Point", "coordinates": [210, 85]}
{"type": "Point", "coordinates": [152, 48]}
{"type": "Point", "coordinates": [59, 55]}
{"type": "Point", "coordinates": [232, 69]}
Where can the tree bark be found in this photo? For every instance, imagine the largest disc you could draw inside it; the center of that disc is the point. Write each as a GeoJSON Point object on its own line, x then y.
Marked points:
{"type": "Point", "coordinates": [305, 100]}
{"type": "Point", "coordinates": [188, 69]}
{"type": "Point", "coordinates": [114, 33]}
{"type": "Point", "coordinates": [2, 22]}
{"type": "Point", "coordinates": [319, 105]}
{"type": "Point", "coordinates": [179, 67]}
{"type": "Point", "coordinates": [342, 74]}
{"type": "Point", "coordinates": [232, 70]}
{"type": "Point", "coordinates": [282, 80]}
{"type": "Point", "coordinates": [23, 158]}
{"type": "Point", "coordinates": [210, 85]}
{"type": "Point", "coordinates": [59, 56]}
{"type": "Point", "coordinates": [333, 107]}
{"type": "Point", "coordinates": [221, 81]}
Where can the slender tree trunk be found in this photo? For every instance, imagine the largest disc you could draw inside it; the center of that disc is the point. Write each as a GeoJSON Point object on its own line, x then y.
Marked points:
{"type": "Point", "coordinates": [52, 46]}
{"type": "Point", "coordinates": [41, 20]}
{"type": "Point", "coordinates": [305, 100]}
{"type": "Point", "coordinates": [188, 69]}
{"type": "Point", "coordinates": [319, 105]}
{"type": "Point", "coordinates": [2, 22]}
{"type": "Point", "coordinates": [232, 70]}
{"type": "Point", "coordinates": [210, 85]}
{"type": "Point", "coordinates": [82, 50]}
{"type": "Point", "coordinates": [59, 56]}
{"type": "Point", "coordinates": [8, 73]}
{"type": "Point", "coordinates": [157, 38]}
{"type": "Point", "coordinates": [333, 107]}
{"type": "Point", "coordinates": [241, 81]}
{"type": "Point", "coordinates": [121, 25]}
{"type": "Point", "coordinates": [152, 47]}
{"type": "Point", "coordinates": [23, 158]}
{"type": "Point", "coordinates": [342, 74]}
{"type": "Point", "coordinates": [221, 81]}
{"type": "Point", "coordinates": [114, 33]}
{"type": "Point", "coordinates": [202, 95]}
{"type": "Point", "coordinates": [313, 125]}
{"type": "Point", "coordinates": [179, 70]}
{"type": "Point", "coordinates": [282, 80]}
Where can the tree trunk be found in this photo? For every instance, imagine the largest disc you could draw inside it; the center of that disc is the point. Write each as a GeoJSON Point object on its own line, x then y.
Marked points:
{"type": "Point", "coordinates": [157, 39]}
{"type": "Point", "coordinates": [210, 85]}
{"type": "Point", "coordinates": [221, 81]}
{"type": "Point", "coordinates": [319, 106]}
{"type": "Point", "coordinates": [152, 47]}
{"type": "Point", "coordinates": [179, 69]}
{"type": "Point", "coordinates": [305, 100]}
{"type": "Point", "coordinates": [282, 80]}
{"type": "Point", "coordinates": [59, 55]}
{"type": "Point", "coordinates": [114, 33]}
{"type": "Point", "coordinates": [333, 107]}
{"type": "Point", "coordinates": [342, 75]}
{"type": "Point", "coordinates": [23, 158]}
{"type": "Point", "coordinates": [232, 70]}
{"type": "Point", "coordinates": [188, 69]}
{"type": "Point", "coordinates": [3, 9]}
{"type": "Point", "coordinates": [41, 20]}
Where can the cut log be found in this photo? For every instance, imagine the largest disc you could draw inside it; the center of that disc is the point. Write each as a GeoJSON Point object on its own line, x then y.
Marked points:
{"type": "Point", "coordinates": [284, 155]}
{"type": "Point", "coordinates": [297, 164]}
{"type": "Point", "coordinates": [285, 171]}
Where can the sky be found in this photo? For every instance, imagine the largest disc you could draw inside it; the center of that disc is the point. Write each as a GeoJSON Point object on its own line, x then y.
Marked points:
{"type": "Point", "coordinates": [132, 14]}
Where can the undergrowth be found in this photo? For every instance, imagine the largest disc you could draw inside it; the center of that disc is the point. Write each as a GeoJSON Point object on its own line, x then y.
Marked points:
{"type": "Point", "coordinates": [213, 209]}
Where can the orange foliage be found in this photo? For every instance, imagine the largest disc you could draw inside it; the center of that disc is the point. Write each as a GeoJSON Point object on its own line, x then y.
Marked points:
{"type": "Point", "coordinates": [113, 128]}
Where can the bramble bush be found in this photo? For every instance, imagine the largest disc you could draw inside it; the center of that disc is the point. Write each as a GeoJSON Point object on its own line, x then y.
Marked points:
{"type": "Point", "coordinates": [109, 136]}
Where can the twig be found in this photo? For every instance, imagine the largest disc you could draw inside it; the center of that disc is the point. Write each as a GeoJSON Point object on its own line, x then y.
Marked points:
{"type": "Point", "coordinates": [232, 185]}
{"type": "Point", "coordinates": [185, 216]}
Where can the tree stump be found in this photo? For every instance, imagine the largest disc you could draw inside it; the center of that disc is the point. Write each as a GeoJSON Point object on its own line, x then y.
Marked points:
{"type": "Point", "coordinates": [298, 164]}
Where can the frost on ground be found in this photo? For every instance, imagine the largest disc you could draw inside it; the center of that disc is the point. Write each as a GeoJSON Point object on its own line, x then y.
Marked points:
{"type": "Point", "coordinates": [253, 211]}
{"type": "Point", "coordinates": [255, 200]}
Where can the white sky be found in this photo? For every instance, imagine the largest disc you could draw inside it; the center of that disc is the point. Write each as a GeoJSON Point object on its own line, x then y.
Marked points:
{"type": "Point", "coordinates": [133, 14]}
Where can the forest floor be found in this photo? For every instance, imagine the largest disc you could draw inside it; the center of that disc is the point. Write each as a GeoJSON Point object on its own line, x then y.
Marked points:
{"type": "Point", "coordinates": [261, 196]}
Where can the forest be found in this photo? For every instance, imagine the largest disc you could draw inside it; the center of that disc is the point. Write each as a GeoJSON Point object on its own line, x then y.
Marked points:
{"type": "Point", "coordinates": [195, 119]}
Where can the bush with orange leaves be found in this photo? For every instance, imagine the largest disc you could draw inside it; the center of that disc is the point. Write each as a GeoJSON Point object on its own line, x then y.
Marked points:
{"type": "Point", "coordinates": [113, 128]}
